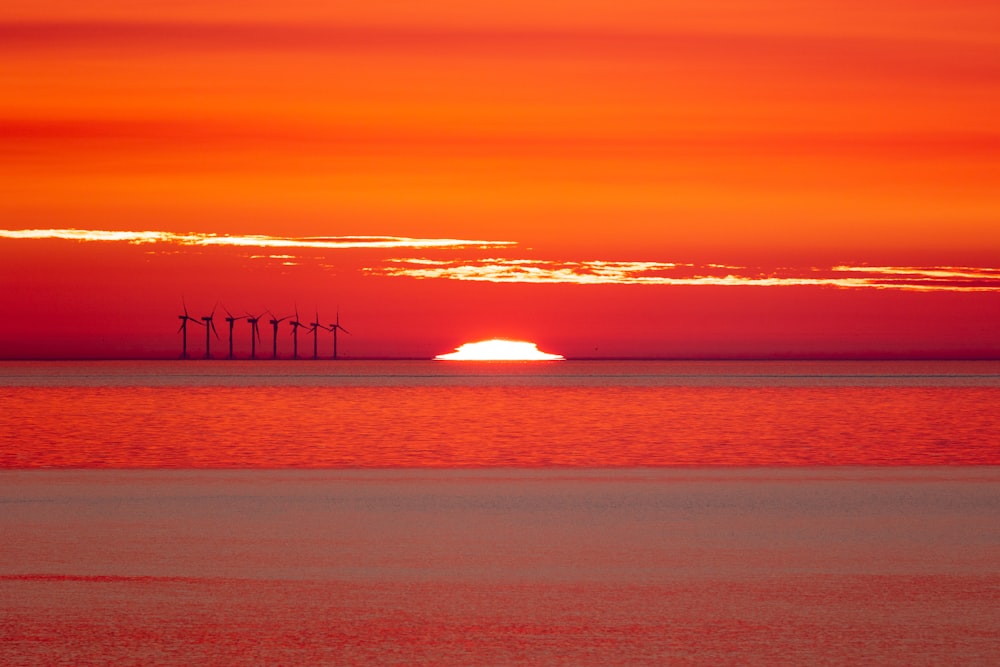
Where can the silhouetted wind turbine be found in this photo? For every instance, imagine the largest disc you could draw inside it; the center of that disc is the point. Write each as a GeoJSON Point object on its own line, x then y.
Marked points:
{"type": "Point", "coordinates": [232, 321]}
{"type": "Point", "coordinates": [254, 333]}
{"type": "Point", "coordinates": [185, 318]}
{"type": "Point", "coordinates": [333, 327]}
{"type": "Point", "coordinates": [209, 324]}
{"type": "Point", "coordinates": [274, 341]}
{"type": "Point", "coordinates": [314, 328]}
{"type": "Point", "coordinates": [295, 334]}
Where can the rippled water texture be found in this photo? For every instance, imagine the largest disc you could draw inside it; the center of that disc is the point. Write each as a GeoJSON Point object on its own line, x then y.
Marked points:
{"type": "Point", "coordinates": [439, 414]}
{"type": "Point", "coordinates": [795, 566]}
{"type": "Point", "coordinates": [576, 513]}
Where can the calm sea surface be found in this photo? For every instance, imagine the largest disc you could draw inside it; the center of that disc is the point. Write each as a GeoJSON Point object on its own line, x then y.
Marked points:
{"type": "Point", "coordinates": [573, 513]}
{"type": "Point", "coordinates": [199, 414]}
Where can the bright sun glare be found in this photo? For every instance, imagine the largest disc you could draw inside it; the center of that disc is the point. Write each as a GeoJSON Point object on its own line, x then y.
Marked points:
{"type": "Point", "coordinates": [499, 350]}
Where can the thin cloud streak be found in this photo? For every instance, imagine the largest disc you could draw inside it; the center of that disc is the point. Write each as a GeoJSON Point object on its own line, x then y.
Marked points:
{"type": "Point", "coordinates": [247, 241]}
{"type": "Point", "coordinates": [926, 279]}
{"type": "Point", "coordinates": [895, 57]}
{"type": "Point", "coordinates": [519, 270]}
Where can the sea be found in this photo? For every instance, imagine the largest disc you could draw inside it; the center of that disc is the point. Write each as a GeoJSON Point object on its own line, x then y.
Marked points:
{"type": "Point", "coordinates": [352, 512]}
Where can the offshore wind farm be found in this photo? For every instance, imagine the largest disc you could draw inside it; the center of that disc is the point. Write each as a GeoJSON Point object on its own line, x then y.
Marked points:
{"type": "Point", "coordinates": [253, 335]}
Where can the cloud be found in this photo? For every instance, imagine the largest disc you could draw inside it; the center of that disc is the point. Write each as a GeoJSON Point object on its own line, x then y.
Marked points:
{"type": "Point", "coordinates": [596, 272]}
{"type": "Point", "coordinates": [936, 54]}
{"type": "Point", "coordinates": [246, 241]}
{"type": "Point", "coordinates": [521, 270]}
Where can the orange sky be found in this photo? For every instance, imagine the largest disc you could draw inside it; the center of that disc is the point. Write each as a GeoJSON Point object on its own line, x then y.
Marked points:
{"type": "Point", "coordinates": [781, 139]}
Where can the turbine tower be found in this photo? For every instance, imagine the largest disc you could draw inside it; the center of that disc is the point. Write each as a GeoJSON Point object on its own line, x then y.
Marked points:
{"type": "Point", "coordinates": [295, 334]}
{"type": "Point", "coordinates": [254, 333]}
{"type": "Point", "coordinates": [209, 324]}
{"type": "Point", "coordinates": [333, 327]}
{"type": "Point", "coordinates": [314, 328]}
{"type": "Point", "coordinates": [232, 320]}
{"type": "Point", "coordinates": [185, 318]}
{"type": "Point", "coordinates": [275, 321]}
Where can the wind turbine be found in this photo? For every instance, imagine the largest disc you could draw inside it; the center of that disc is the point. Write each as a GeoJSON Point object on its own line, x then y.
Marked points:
{"type": "Point", "coordinates": [209, 324]}
{"type": "Point", "coordinates": [333, 327]}
{"type": "Point", "coordinates": [232, 321]}
{"type": "Point", "coordinates": [295, 334]}
{"type": "Point", "coordinates": [254, 333]}
{"type": "Point", "coordinates": [274, 341]}
{"type": "Point", "coordinates": [314, 328]}
{"type": "Point", "coordinates": [185, 318]}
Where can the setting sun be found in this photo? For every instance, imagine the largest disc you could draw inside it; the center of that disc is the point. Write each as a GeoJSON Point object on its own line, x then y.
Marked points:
{"type": "Point", "coordinates": [499, 350]}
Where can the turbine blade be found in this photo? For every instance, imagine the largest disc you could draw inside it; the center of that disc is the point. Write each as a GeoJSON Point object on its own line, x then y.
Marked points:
{"type": "Point", "coordinates": [212, 322]}
{"type": "Point", "coordinates": [181, 327]}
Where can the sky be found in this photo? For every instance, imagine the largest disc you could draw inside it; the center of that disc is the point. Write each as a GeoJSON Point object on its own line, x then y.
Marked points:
{"type": "Point", "coordinates": [712, 179]}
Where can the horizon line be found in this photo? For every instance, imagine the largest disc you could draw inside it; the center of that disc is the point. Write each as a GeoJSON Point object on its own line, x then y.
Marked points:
{"type": "Point", "coordinates": [778, 358]}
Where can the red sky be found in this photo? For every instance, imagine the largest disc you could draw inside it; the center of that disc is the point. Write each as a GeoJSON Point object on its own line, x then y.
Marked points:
{"type": "Point", "coordinates": [667, 178]}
